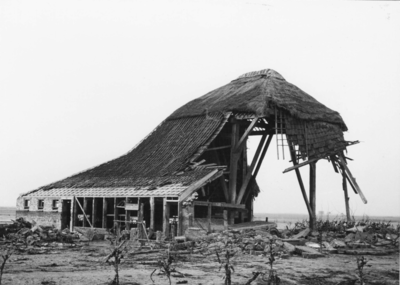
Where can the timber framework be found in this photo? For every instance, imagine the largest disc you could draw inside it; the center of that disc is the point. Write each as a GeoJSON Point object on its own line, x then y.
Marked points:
{"type": "Point", "coordinates": [193, 169]}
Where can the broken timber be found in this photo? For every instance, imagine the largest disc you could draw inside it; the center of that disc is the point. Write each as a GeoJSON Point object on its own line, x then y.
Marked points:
{"type": "Point", "coordinates": [300, 165]}
{"type": "Point", "coordinates": [352, 180]}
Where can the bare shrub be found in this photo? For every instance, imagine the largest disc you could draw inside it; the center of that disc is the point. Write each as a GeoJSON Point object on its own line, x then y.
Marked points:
{"type": "Point", "coordinates": [5, 255]}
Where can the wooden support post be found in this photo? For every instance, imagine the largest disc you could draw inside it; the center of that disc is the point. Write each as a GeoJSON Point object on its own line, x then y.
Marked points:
{"type": "Point", "coordinates": [77, 222]}
{"type": "Point", "coordinates": [209, 218]}
{"type": "Point", "coordinates": [346, 196]}
{"type": "Point", "coordinates": [224, 187]}
{"type": "Point", "coordinates": [225, 216]}
{"type": "Point", "coordinates": [233, 164]}
{"type": "Point", "coordinates": [245, 183]}
{"type": "Point", "coordinates": [251, 210]}
{"type": "Point", "coordinates": [152, 209]}
{"type": "Point", "coordinates": [104, 216]}
{"type": "Point", "coordinates": [127, 216]}
{"type": "Point", "coordinates": [313, 179]}
{"type": "Point", "coordinates": [71, 213]}
{"type": "Point", "coordinates": [74, 215]}
{"type": "Point", "coordinates": [85, 202]}
{"type": "Point", "coordinates": [180, 218]}
{"type": "Point", "coordinates": [115, 210]}
{"type": "Point", "coordinates": [222, 179]}
{"type": "Point", "coordinates": [166, 218]}
{"type": "Point", "coordinates": [140, 226]}
{"type": "Point", "coordinates": [303, 190]}
{"type": "Point", "coordinates": [94, 208]}
{"type": "Point", "coordinates": [244, 161]}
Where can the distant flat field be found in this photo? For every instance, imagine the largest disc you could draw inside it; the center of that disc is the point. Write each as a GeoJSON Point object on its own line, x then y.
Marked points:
{"type": "Point", "coordinates": [283, 220]}
{"type": "Point", "coordinates": [7, 213]}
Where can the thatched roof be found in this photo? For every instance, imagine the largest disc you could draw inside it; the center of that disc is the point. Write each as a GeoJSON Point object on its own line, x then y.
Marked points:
{"type": "Point", "coordinates": [165, 156]}
{"type": "Point", "coordinates": [155, 161]}
{"type": "Point", "coordinates": [259, 93]}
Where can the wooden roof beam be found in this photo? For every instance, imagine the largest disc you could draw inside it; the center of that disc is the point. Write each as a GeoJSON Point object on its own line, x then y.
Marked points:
{"type": "Point", "coordinates": [219, 204]}
{"type": "Point", "coordinates": [300, 165]}
{"type": "Point", "coordinates": [196, 185]}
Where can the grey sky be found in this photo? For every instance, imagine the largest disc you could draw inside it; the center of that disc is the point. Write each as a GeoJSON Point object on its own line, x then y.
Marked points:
{"type": "Point", "coordinates": [82, 82]}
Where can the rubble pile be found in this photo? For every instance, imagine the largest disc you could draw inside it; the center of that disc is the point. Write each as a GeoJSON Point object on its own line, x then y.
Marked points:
{"type": "Point", "coordinates": [330, 237]}
{"type": "Point", "coordinates": [34, 239]}
{"type": "Point", "coordinates": [252, 238]}
{"type": "Point", "coordinates": [247, 241]}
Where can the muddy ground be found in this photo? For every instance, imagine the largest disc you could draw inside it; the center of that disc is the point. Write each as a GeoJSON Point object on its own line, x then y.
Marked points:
{"type": "Point", "coordinates": [85, 265]}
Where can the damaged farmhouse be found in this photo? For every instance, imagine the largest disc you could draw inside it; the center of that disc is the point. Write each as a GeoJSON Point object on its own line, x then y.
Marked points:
{"type": "Point", "coordinates": [193, 169]}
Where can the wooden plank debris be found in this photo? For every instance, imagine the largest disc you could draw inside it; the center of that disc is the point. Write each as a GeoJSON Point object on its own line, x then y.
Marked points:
{"type": "Point", "coordinates": [308, 252]}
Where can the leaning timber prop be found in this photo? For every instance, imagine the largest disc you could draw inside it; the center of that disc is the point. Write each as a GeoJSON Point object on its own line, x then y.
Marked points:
{"type": "Point", "coordinates": [83, 211]}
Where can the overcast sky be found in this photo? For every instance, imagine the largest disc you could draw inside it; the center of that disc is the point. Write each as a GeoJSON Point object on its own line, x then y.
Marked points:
{"type": "Point", "coordinates": [82, 82]}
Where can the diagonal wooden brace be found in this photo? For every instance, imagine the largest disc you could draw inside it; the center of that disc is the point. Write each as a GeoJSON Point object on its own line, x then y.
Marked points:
{"type": "Point", "coordinates": [239, 146]}
{"type": "Point", "coordinates": [250, 170]}
{"type": "Point", "coordinates": [303, 190]}
{"type": "Point", "coordinates": [350, 177]}
{"type": "Point", "coordinates": [76, 199]}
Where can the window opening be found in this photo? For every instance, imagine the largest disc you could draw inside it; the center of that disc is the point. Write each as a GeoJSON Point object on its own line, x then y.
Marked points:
{"type": "Point", "coordinates": [26, 204]}
{"type": "Point", "coordinates": [40, 204]}
{"type": "Point", "coordinates": [55, 204]}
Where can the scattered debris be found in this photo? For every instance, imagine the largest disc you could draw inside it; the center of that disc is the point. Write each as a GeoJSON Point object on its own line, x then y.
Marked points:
{"type": "Point", "coordinates": [29, 238]}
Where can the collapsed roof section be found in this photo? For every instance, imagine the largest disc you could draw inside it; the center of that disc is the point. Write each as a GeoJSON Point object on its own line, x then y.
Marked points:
{"type": "Point", "coordinates": [168, 155]}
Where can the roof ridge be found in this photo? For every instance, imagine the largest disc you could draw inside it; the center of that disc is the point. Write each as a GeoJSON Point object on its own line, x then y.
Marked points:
{"type": "Point", "coordinates": [268, 72]}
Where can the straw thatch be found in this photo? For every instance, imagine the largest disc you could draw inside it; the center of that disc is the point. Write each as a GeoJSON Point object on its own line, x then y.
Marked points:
{"type": "Point", "coordinates": [260, 93]}
{"type": "Point", "coordinates": [155, 161]}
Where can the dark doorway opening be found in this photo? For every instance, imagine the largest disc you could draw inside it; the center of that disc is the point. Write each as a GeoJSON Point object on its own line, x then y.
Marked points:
{"type": "Point", "coordinates": [66, 214]}
{"type": "Point", "coordinates": [146, 211]}
{"type": "Point", "coordinates": [158, 214]}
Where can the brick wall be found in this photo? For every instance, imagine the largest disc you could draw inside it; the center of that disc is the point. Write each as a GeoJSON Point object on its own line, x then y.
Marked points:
{"type": "Point", "coordinates": [45, 217]}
